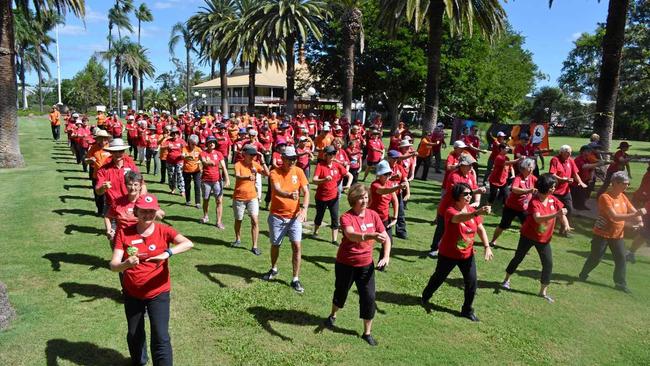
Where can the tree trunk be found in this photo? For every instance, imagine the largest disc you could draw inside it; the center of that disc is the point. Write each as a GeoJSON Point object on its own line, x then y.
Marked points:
{"type": "Point", "coordinates": [213, 64]}
{"type": "Point", "coordinates": [609, 70]}
{"type": "Point", "coordinates": [223, 64]}
{"type": "Point", "coordinates": [393, 107]}
{"type": "Point", "coordinates": [110, 68]}
{"type": "Point", "coordinates": [187, 77]}
{"type": "Point", "coordinates": [40, 88]}
{"type": "Point", "coordinates": [351, 21]}
{"type": "Point", "coordinates": [134, 94]}
{"type": "Point", "coordinates": [291, 74]}
{"type": "Point", "coordinates": [10, 156]}
{"type": "Point", "coordinates": [118, 87]}
{"type": "Point", "coordinates": [252, 71]}
{"type": "Point", "coordinates": [431, 97]}
{"type": "Point", "coordinates": [141, 89]}
{"type": "Point", "coordinates": [22, 78]}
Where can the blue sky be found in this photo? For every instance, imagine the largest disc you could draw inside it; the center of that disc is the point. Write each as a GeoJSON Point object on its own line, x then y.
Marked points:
{"type": "Point", "coordinates": [549, 33]}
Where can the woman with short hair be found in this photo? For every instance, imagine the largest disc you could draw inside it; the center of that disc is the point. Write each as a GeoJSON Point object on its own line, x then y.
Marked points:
{"type": "Point", "coordinates": [361, 227]}
{"type": "Point", "coordinates": [192, 171]}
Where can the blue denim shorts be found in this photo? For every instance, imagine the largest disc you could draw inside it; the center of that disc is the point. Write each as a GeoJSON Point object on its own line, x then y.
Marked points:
{"type": "Point", "coordinates": [280, 227]}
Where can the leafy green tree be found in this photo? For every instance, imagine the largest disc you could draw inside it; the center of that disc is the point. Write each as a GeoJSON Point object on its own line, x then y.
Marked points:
{"type": "Point", "coordinates": [87, 88]}
{"type": "Point", "coordinates": [118, 17]}
{"type": "Point", "coordinates": [180, 32]}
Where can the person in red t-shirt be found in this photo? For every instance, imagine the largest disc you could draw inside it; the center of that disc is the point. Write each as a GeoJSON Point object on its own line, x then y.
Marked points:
{"type": "Point", "coordinates": [462, 223]}
{"type": "Point", "coordinates": [213, 175]}
{"type": "Point", "coordinates": [361, 227]}
{"type": "Point", "coordinates": [375, 151]}
{"type": "Point", "coordinates": [586, 170]}
{"type": "Point", "coordinates": [174, 146]}
{"type": "Point", "coordinates": [142, 253]}
{"type": "Point", "coordinates": [355, 155]}
{"type": "Point", "coordinates": [400, 178]}
{"type": "Point", "coordinates": [151, 142]}
{"type": "Point", "coordinates": [304, 155]}
{"type": "Point", "coordinates": [620, 162]}
{"type": "Point", "coordinates": [110, 177]}
{"type": "Point", "coordinates": [642, 194]}
{"type": "Point", "coordinates": [537, 231]}
{"type": "Point", "coordinates": [521, 192]}
{"type": "Point", "coordinates": [383, 194]}
{"type": "Point", "coordinates": [565, 171]}
{"type": "Point", "coordinates": [501, 172]}
{"type": "Point", "coordinates": [494, 152]}
{"type": "Point", "coordinates": [327, 176]}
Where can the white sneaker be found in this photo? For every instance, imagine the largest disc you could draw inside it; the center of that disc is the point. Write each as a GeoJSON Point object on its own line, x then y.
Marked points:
{"type": "Point", "coordinates": [205, 220]}
{"type": "Point", "coordinates": [433, 254]}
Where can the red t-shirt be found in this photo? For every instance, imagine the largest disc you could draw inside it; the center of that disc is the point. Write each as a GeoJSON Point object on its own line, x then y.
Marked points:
{"type": "Point", "coordinates": [438, 138]}
{"type": "Point", "coordinates": [152, 141]}
{"type": "Point", "coordinates": [495, 150]}
{"type": "Point", "coordinates": [223, 142]}
{"type": "Point", "coordinates": [175, 150]}
{"type": "Point", "coordinates": [355, 157]}
{"type": "Point", "coordinates": [329, 190]}
{"type": "Point", "coordinates": [474, 141]}
{"type": "Point", "coordinates": [499, 175]}
{"type": "Point", "coordinates": [110, 173]}
{"type": "Point", "coordinates": [615, 166]}
{"type": "Point", "coordinates": [519, 202]}
{"type": "Point", "coordinates": [380, 202]}
{"type": "Point", "coordinates": [455, 178]}
{"type": "Point", "coordinates": [525, 151]}
{"type": "Point", "coordinates": [359, 254]}
{"type": "Point", "coordinates": [643, 192]}
{"type": "Point", "coordinates": [564, 169]}
{"type": "Point", "coordinates": [584, 173]}
{"type": "Point", "coordinates": [399, 174]}
{"type": "Point", "coordinates": [457, 241]}
{"type": "Point", "coordinates": [540, 232]}
{"type": "Point", "coordinates": [122, 211]}
{"type": "Point", "coordinates": [303, 157]}
{"type": "Point", "coordinates": [147, 279]}
{"type": "Point", "coordinates": [452, 159]}
{"type": "Point", "coordinates": [374, 156]}
{"type": "Point", "coordinates": [212, 173]}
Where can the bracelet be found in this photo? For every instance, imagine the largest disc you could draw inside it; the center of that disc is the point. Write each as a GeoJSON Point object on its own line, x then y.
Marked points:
{"type": "Point", "coordinates": [169, 251]}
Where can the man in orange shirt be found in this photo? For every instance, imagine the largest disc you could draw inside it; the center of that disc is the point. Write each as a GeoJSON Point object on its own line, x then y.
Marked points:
{"type": "Point", "coordinates": [96, 157]}
{"type": "Point", "coordinates": [244, 196]}
{"type": "Point", "coordinates": [286, 216]}
{"type": "Point", "coordinates": [323, 140]}
{"type": "Point", "coordinates": [55, 123]}
{"type": "Point", "coordinates": [425, 152]}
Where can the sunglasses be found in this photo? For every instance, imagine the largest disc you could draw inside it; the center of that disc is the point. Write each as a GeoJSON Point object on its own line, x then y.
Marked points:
{"type": "Point", "coordinates": [467, 193]}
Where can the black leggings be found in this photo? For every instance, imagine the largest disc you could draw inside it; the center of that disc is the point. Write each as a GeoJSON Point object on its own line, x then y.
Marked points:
{"type": "Point", "coordinates": [333, 207]}
{"type": "Point", "coordinates": [425, 163]}
{"type": "Point", "coordinates": [188, 178]}
{"type": "Point", "coordinates": [567, 200]}
{"type": "Point", "coordinates": [545, 256]}
{"type": "Point", "coordinates": [598, 247]}
{"type": "Point", "coordinates": [443, 268]}
{"type": "Point", "coordinates": [157, 310]}
{"type": "Point", "coordinates": [440, 229]}
{"type": "Point", "coordinates": [364, 278]}
{"type": "Point", "coordinates": [496, 192]}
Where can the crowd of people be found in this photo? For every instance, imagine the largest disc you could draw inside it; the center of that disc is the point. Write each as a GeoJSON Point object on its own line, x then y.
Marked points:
{"type": "Point", "coordinates": [202, 152]}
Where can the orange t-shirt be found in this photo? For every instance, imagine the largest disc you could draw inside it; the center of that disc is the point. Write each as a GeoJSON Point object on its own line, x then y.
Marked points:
{"type": "Point", "coordinates": [54, 118]}
{"type": "Point", "coordinates": [290, 181]}
{"type": "Point", "coordinates": [100, 156]}
{"type": "Point", "coordinates": [101, 119]}
{"type": "Point", "coordinates": [606, 226]}
{"type": "Point", "coordinates": [424, 150]}
{"type": "Point", "coordinates": [163, 148]}
{"type": "Point", "coordinates": [191, 159]}
{"type": "Point", "coordinates": [245, 189]}
{"type": "Point", "coordinates": [321, 142]}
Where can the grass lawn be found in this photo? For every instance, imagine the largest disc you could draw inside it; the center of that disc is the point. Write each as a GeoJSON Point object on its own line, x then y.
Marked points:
{"type": "Point", "coordinates": [55, 263]}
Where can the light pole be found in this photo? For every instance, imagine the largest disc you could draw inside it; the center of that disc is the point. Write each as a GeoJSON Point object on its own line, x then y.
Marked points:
{"type": "Point", "coordinates": [174, 104]}
{"type": "Point", "coordinates": [194, 101]}
{"type": "Point", "coordinates": [205, 102]}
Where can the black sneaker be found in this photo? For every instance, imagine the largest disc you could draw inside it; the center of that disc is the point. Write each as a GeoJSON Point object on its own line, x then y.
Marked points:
{"type": "Point", "coordinates": [630, 257]}
{"type": "Point", "coordinates": [471, 316]}
{"type": "Point", "coordinates": [236, 244]}
{"type": "Point", "coordinates": [271, 274]}
{"type": "Point", "coordinates": [335, 243]}
{"type": "Point", "coordinates": [256, 251]}
{"type": "Point", "coordinates": [297, 286]}
{"type": "Point", "coordinates": [329, 322]}
{"type": "Point", "coordinates": [623, 288]}
{"type": "Point", "coordinates": [368, 338]}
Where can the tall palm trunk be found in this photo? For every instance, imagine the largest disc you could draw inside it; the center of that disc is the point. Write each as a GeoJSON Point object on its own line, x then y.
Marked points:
{"type": "Point", "coordinates": [134, 86]}
{"type": "Point", "coordinates": [252, 73]}
{"type": "Point", "coordinates": [351, 20]}
{"type": "Point", "coordinates": [223, 64]}
{"type": "Point", "coordinates": [110, 68]}
{"type": "Point", "coordinates": [118, 86]}
{"type": "Point", "coordinates": [187, 77]}
{"type": "Point", "coordinates": [22, 78]}
{"type": "Point", "coordinates": [291, 74]}
{"type": "Point", "coordinates": [431, 94]}
{"type": "Point", "coordinates": [10, 156]}
{"type": "Point", "coordinates": [39, 73]}
{"type": "Point", "coordinates": [609, 70]}
{"type": "Point", "coordinates": [140, 96]}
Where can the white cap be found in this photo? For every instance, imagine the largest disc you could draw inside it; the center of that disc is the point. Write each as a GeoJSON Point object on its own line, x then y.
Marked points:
{"type": "Point", "coordinates": [501, 134]}
{"type": "Point", "coordinates": [326, 128]}
{"type": "Point", "coordinates": [382, 168]}
{"type": "Point", "coordinates": [459, 144]}
{"type": "Point", "coordinates": [131, 117]}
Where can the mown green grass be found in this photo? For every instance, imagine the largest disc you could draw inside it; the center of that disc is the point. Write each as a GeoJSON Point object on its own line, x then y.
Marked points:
{"type": "Point", "coordinates": [222, 313]}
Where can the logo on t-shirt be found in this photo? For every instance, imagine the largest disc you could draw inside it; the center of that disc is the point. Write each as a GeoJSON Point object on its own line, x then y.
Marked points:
{"type": "Point", "coordinates": [152, 247]}
{"type": "Point", "coordinates": [294, 179]}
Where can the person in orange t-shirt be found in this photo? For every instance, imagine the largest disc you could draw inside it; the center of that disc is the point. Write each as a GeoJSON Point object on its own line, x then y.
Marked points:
{"type": "Point", "coordinates": [55, 123]}
{"type": "Point", "coordinates": [192, 170]}
{"type": "Point", "coordinates": [613, 210]}
{"type": "Point", "coordinates": [286, 216]}
{"type": "Point", "coordinates": [245, 195]}
{"type": "Point", "coordinates": [96, 157]}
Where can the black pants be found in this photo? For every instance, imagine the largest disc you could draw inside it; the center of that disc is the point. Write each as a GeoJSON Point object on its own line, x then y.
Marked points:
{"type": "Point", "coordinates": [267, 196]}
{"type": "Point", "coordinates": [440, 229]}
{"type": "Point", "coordinates": [508, 215]}
{"type": "Point", "coordinates": [188, 178]}
{"type": "Point", "coordinates": [389, 232]}
{"type": "Point", "coordinates": [425, 163]}
{"type": "Point", "coordinates": [567, 200]}
{"type": "Point", "coordinates": [99, 199]}
{"type": "Point", "coordinates": [498, 192]}
{"type": "Point", "coordinates": [466, 266]}
{"type": "Point", "coordinates": [133, 147]}
{"type": "Point", "coordinates": [545, 256]}
{"type": "Point", "coordinates": [163, 170]}
{"type": "Point", "coordinates": [437, 161]}
{"type": "Point", "coordinates": [56, 132]}
{"type": "Point", "coordinates": [333, 207]}
{"type": "Point", "coordinates": [580, 196]}
{"type": "Point", "coordinates": [157, 310]}
{"type": "Point", "coordinates": [488, 170]}
{"type": "Point", "coordinates": [150, 155]}
{"type": "Point", "coordinates": [400, 227]}
{"type": "Point", "coordinates": [598, 247]}
{"type": "Point", "coordinates": [364, 278]}
{"type": "Point", "coordinates": [355, 174]}
{"type": "Point", "coordinates": [80, 154]}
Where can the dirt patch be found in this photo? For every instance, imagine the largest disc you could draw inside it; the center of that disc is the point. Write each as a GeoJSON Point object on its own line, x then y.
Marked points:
{"type": "Point", "coordinates": [7, 313]}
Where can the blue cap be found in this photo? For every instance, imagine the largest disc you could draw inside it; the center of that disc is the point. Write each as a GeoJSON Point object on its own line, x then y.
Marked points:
{"type": "Point", "coordinates": [394, 154]}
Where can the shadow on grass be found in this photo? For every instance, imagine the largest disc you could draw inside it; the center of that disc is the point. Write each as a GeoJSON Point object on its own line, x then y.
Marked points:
{"type": "Point", "coordinates": [74, 211]}
{"type": "Point", "coordinates": [209, 270]}
{"type": "Point", "coordinates": [495, 286]}
{"type": "Point", "coordinates": [76, 178]}
{"type": "Point", "coordinates": [71, 162]}
{"type": "Point", "coordinates": [410, 300]}
{"type": "Point", "coordinates": [67, 187]}
{"type": "Point", "coordinates": [318, 259]}
{"type": "Point", "coordinates": [182, 218]}
{"type": "Point", "coordinates": [91, 291]}
{"type": "Point", "coordinates": [210, 241]}
{"type": "Point", "coordinates": [71, 228]}
{"type": "Point", "coordinates": [420, 220]}
{"type": "Point", "coordinates": [82, 353]}
{"type": "Point", "coordinates": [584, 254]}
{"type": "Point", "coordinates": [65, 198]}
{"type": "Point", "coordinates": [75, 258]}
{"type": "Point", "coordinates": [67, 171]}
{"type": "Point", "coordinates": [265, 316]}
{"type": "Point", "coordinates": [408, 252]}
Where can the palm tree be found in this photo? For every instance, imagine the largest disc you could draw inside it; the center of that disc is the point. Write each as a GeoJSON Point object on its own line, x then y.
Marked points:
{"type": "Point", "coordinates": [121, 53]}
{"type": "Point", "coordinates": [10, 155]}
{"type": "Point", "coordinates": [288, 22]}
{"type": "Point", "coordinates": [143, 14]}
{"type": "Point", "coordinates": [180, 32]}
{"type": "Point", "coordinates": [117, 17]}
{"type": "Point", "coordinates": [135, 64]}
{"type": "Point", "coordinates": [352, 28]}
{"type": "Point", "coordinates": [25, 37]}
{"type": "Point", "coordinates": [610, 65]}
{"type": "Point", "coordinates": [487, 14]}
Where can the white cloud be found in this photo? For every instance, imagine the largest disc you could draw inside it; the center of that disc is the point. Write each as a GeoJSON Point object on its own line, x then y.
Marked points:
{"type": "Point", "coordinates": [93, 16]}
{"type": "Point", "coordinates": [72, 30]}
{"type": "Point", "coordinates": [163, 4]}
{"type": "Point", "coordinates": [145, 32]}
{"type": "Point", "coordinates": [575, 36]}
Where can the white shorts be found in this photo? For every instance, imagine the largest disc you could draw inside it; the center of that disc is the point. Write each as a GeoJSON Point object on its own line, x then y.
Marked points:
{"type": "Point", "coordinates": [211, 189]}
{"type": "Point", "coordinates": [252, 207]}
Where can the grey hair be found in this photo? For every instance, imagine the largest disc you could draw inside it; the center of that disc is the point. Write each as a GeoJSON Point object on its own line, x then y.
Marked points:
{"type": "Point", "coordinates": [132, 176]}
{"type": "Point", "coordinates": [620, 177]}
{"type": "Point", "coordinates": [527, 163]}
{"type": "Point", "coordinates": [565, 148]}
{"type": "Point", "coordinates": [194, 139]}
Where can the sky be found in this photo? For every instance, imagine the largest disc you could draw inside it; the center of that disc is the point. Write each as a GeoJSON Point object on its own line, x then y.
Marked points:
{"type": "Point", "coordinates": [549, 33]}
